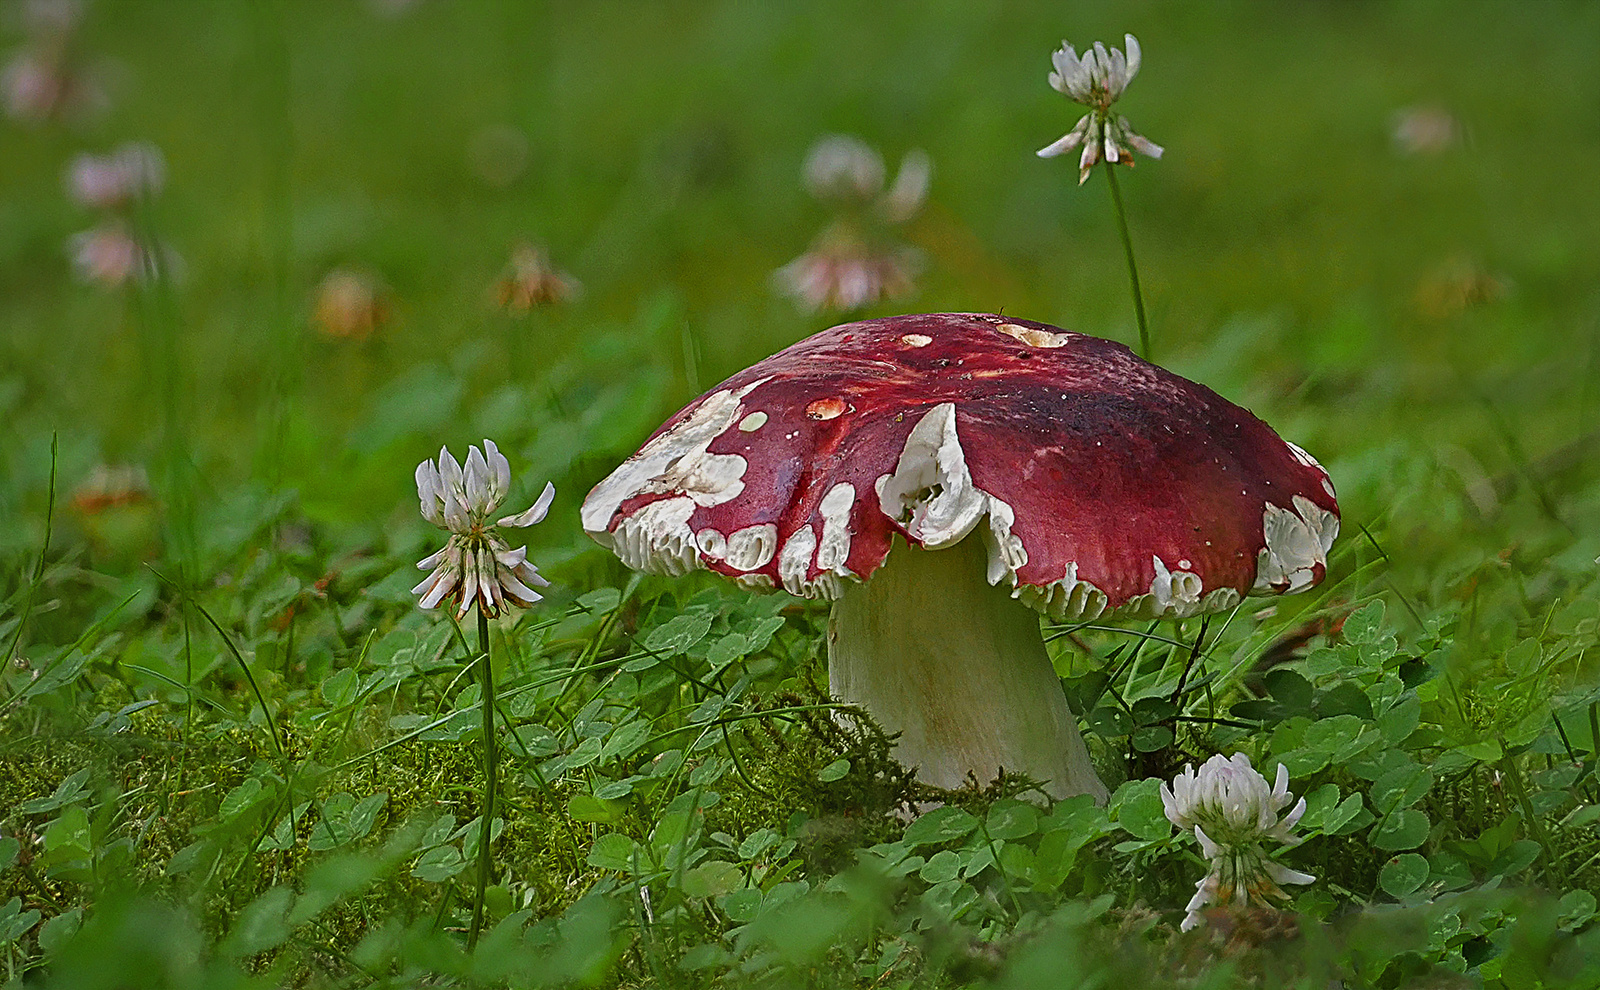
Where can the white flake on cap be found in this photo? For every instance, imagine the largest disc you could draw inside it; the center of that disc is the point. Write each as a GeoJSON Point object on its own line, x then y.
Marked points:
{"type": "Point", "coordinates": [1300, 455]}
{"type": "Point", "coordinates": [829, 554]}
{"type": "Point", "coordinates": [1220, 600]}
{"type": "Point", "coordinates": [753, 422]}
{"type": "Point", "coordinates": [752, 548]}
{"type": "Point", "coordinates": [1033, 337]}
{"type": "Point", "coordinates": [1296, 542]}
{"type": "Point", "coordinates": [835, 508]}
{"type": "Point", "coordinates": [794, 563]}
{"type": "Point", "coordinates": [794, 566]}
{"type": "Point", "coordinates": [744, 549]}
{"type": "Point", "coordinates": [1311, 462]}
{"type": "Point", "coordinates": [916, 340]}
{"type": "Point", "coordinates": [930, 493]}
{"type": "Point", "coordinates": [1006, 552]}
{"type": "Point", "coordinates": [1074, 598]}
{"type": "Point", "coordinates": [712, 543]}
{"type": "Point", "coordinates": [1173, 593]}
{"type": "Point", "coordinates": [677, 461]}
{"type": "Point", "coordinates": [657, 540]}
{"type": "Point", "coordinates": [1068, 598]}
{"type": "Point", "coordinates": [824, 409]}
{"type": "Point", "coordinates": [754, 582]}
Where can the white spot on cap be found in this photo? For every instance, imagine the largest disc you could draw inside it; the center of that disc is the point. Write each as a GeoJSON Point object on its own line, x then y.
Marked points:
{"type": "Point", "coordinates": [930, 494]}
{"type": "Point", "coordinates": [1068, 598]}
{"type": "Point", "coordinates": [752, 547]}
{"type": "Point", "coordinates": [1033, 337]}
{"type": "Point", "coordinates": [1006, 552]}
{"type": "Point", "coordinates": [1296, 542]}
{"type": "Point", "coordinates": [826, 409]}
{"type": "Point", "coordinates": [1219, 600]}
{"type": "Point", "coordinates": [794, 563]}
{"type": "Point", "coordinates": [1303, 457]}
{"type": "Point", "coordinates": [712, 543]}
{"type": "Point", "coordinates": [657, 540]}
{"type": "Point", "coordinates": [916, 340]}
{"type": "Point", "coordinates": [677, 461]}
{"type": "Point", "coordinates": [1175, 593]}
{"type": "Point", "coordinates": [753, 422]}
{"type": "Point", "coordinates": [1327, 486]}
{"type": "Point", "coordinates": [835, 508]}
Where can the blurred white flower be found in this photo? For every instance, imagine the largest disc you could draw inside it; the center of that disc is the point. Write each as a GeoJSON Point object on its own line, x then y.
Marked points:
{"type": "Point", "coordinates": [476, 566]}
{"type": "Point", "coordinates": [32, 89]}
{"type": "Point", "coordinates": [842, 167]}
{"type": "Point", "coordinates": [843, 274]}
{"type": "Point", "coordinates": [1233, 811]}
{"type": "Point", "coordinates": [533, 281]}
{"type": "Point", "coordinates": [43, 80]}
{"type": "Point", "coordinates": [1457, 285]}
{"type": "Point", "coordinates": [857, 260]}
{"type": "Point", "coordinates": [1424, 130]}
{"type": "Point", "coordinates": [350, 304]}
{"type": "Point", "coordinates": [50, 17]}
{"type": "Point", "coordinates": [111, 485]}
{"type": "Point", "coordinates": [38, 86]}
{"type": "Point", "coordinates": [845, 172]}
{"type": "Point", "coordinates": [112, 181]}
{"type": "Point", "coordinates": [910, 188]}
{"type": "Point", "coordinates": [111, 256]}
{"type": "Point", "coordinates": [1096, 80]}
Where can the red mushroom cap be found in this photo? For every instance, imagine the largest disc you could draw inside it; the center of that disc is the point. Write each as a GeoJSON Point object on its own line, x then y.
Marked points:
{"type": "Point", "coordinates": [1100, 482]}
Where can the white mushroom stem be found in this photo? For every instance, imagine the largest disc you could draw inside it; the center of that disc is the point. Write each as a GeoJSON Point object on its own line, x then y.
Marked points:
{"type": "Point", "coordinates": [959, 669]}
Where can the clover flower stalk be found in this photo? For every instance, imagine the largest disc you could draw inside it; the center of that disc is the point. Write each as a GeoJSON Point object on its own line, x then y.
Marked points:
{"type": "Point", "coordinates": [1097, 80]}
{"type": "Point", "coordinates": [1233, 814]}
{"type": "Point", "coordinates": [478, 569]}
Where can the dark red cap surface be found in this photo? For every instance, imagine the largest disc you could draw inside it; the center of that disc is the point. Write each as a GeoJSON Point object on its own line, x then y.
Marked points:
{"type": "Point", "coordinates": [1098, 480]}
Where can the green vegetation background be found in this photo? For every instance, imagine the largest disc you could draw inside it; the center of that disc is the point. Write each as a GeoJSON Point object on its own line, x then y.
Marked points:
{"type": "Point", "coordinates": [1428, 325]}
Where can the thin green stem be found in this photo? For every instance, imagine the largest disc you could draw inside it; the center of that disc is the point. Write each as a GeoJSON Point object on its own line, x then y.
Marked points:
{"type": "Point", "coordinates": [44, 551]}
{"type": "Point", "coordinates": [266, 713]}
{"type": "Point", "coordinates": [1594, 729]}
{"type": "Point", "coordinates": [490, 776]}
{"type": "Point", "coordinates": [188, 692]}
{"type": "Point", "coordinates": [275, 124]}
{"type": "Point", "coordinates": [1133, 267]}
{"type": "Point", "coordinates": [1513, 775]}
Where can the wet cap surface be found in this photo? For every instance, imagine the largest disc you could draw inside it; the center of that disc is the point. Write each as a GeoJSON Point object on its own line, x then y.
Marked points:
{"type": "Point", "coordinates": [1098, 481]}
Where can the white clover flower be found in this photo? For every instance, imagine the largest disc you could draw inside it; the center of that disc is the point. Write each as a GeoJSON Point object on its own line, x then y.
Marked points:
{"type": "Point", "coordinates": [857, 260]}
{"type": "Point", "coordinates": [845, 168]}
{"type": "Point", "coordinates": [846, 172]}
{"type": "Point", "coordinates": [1096, 80]}
{"type": "Point", "coordinates": [351, 304]}
{"type": "Point", "coordinates": [476, 565]}
{"type": "Point", "coordinates": [111, 256]}
{"type": "Point", "coordinates": [1232, 812]}
{"type": "Point", "coordinates": [533, 281]}
{"type": "Point", "coordinates": [112, 181]}
{"type": "Point", "coordinates": [843, 273]}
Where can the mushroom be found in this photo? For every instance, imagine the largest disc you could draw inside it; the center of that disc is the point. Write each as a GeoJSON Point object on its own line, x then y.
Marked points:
{"type": "Point", "coordinates": [941, 479]}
